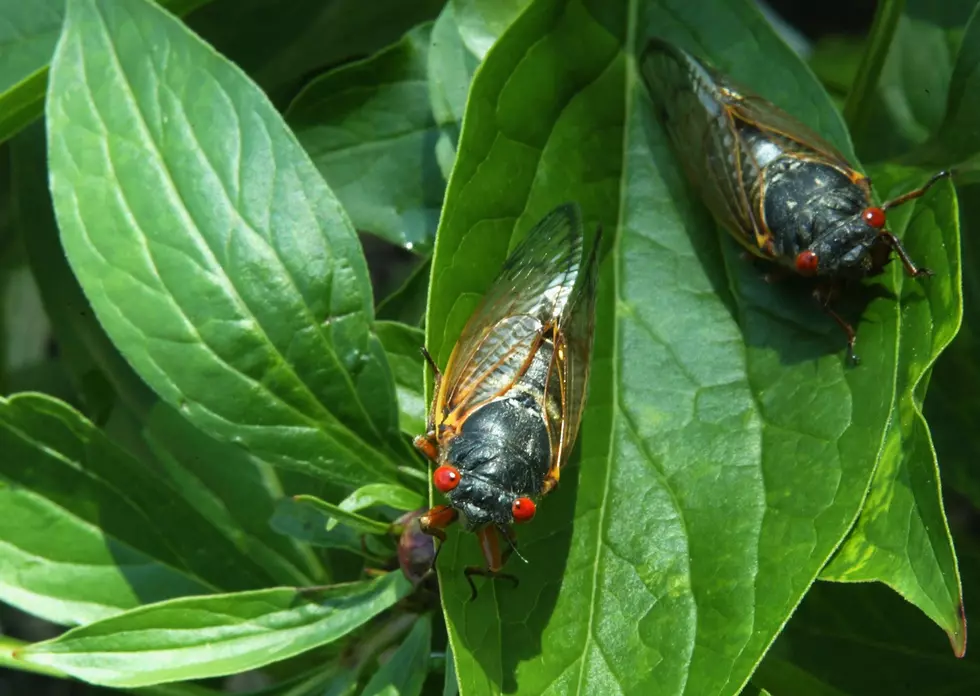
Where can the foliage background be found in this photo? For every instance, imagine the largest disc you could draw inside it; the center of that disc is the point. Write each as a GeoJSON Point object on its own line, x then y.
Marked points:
{"type": "Point", "coordinates": [216, 341]}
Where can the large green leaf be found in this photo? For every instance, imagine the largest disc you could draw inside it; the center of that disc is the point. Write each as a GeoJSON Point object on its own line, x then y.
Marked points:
{"type": "Point", "coordinates": [726, 448]}
{"type": "Point", "coordinates": [88, 531]}
{"type": "Point", "coordinates": [213, 253]}
{"type": "Point", "coordinates": [235, 491]}
{"type": "Point", "coordinates": [901, 537]}
{"type": "Point", "coordinates": [369, 129]}
{"type": "Point", "coordinates": [200, 637]}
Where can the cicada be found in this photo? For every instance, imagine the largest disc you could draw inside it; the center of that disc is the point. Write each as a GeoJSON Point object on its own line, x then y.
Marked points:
{"type": "Point", "coordinates": [780, 189]}
{"type": "Point", "coordinates": [507, 408]}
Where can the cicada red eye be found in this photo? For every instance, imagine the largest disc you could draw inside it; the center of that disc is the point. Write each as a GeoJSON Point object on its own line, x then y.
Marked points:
{"type": "Point", "coordinates": [875, 217]}
{"type": "Point", "coordinates": [523, 509]}
{"type": "Point", "coordinates": [446, 478]}
{"type": "Point", "coordinates": [807, 262]}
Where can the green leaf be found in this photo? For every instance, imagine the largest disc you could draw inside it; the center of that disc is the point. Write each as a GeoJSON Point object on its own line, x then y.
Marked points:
{"type": "Point", "coordinates": [214, 255]}
{"type": "Point", "coordinates": [835, 61]}
{"type": "Point", "coordinates": [403, 344]}
{"type": "Point", "coordinates": [407, 303]}
{"type": "Point", "coordinates": [307, 524]}
{"type": "Point", "coordinates": [28, 34]}
{"type": "Point", "coordinates": [913, 46]}
{"type": "Point", "coordinates": [234, 491]}
{"type": "Point", "coordinates": [359, 523]}
{"type": "Point", "coordinates": [726, 448]}
{"type": "Point", "coordinates": [382, 494]}
{"type": "Point", "coordinates": [281, 49]}
{"type": "Point", "coordinates": [370, 131]}
{"type": "Point", "coordinates": [450, 685]}
{"type": "Point", "coordinates": [450, 71]}
{"type": "Point", "coordinates": [404, 673]}
{"type": "Point", "coordinates": [863, 640]}
{"type": "Point", "coordinates": [481, 22]}
{"type": "Point", "coordinates": [89, 531]}
{"type": "Point", "coordinates": [202, 637]}
{"type": "Point", "coordinates": [954, 393]}
{"type": "Point", "coordinates": [959, 135]}
{"type": "Point", "coordinates": [901, 537]}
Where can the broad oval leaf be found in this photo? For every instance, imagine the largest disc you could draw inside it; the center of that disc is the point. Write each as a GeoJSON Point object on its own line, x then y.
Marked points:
{"type": "Point", "coordinates": [234, 491]}
{"type": "Point", "coordinates": [89, 532]}
{"type": "Point", "coordinates": [369, 129]}
{"type": "Point", "coordinates": [214, 255]}
{"type": "Point", "coordinates": [726, 448]}
{"type": "Point", "coordinates": [201, 637]}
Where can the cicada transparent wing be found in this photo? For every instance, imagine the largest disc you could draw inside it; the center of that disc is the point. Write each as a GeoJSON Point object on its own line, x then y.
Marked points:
{"type": "Point", "coordinates": [573, 353]}
{"type": "Point", "coordinates": [524, 303]}
{"type": "Point", "coordinates": [728, 136]}
{"type": "Point", "coordinates": [700, 124]}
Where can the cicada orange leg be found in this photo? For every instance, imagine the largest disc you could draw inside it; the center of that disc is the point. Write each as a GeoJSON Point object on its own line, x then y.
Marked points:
{"type": "Point", "coordinates": [434, 523]}
{"type": "Point", "coordinates": [490, 546]}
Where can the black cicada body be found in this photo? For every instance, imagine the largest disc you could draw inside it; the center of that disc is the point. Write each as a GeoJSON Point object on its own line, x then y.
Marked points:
{"type": "Point", "coordinates": [780, 189]}
{"type": "Point", "coordinates": [507, 409]}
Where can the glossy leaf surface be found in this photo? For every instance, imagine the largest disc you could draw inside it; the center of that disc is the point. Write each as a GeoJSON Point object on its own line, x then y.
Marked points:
{"type": "Point", "coordinates": [369, 129]}
{"type": "Point", "coordinates": [726, 448]}
{"type": "Point", "coordinates": [216, 258]}
{"type": "Point", "coordinates": [202, 637]}
{"type": "Point", "coordinates": [83, 534]}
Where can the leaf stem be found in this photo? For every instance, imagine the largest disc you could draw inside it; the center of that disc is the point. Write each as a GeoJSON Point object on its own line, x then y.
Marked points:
{"type": "Point", "coordinates": [879, 42]}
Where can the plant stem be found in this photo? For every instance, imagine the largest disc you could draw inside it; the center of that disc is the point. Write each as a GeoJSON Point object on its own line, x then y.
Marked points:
{"type": "Point", "coordinates": [879, 41]}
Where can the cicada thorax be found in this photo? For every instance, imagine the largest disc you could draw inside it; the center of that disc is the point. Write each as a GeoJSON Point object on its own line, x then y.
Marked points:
{"type": "Point", "coordinates": [503, 449]}
{"type": "Point", "coordinates": [801, 202]}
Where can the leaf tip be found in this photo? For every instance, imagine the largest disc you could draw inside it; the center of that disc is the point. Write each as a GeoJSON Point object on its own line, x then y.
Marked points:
{"type": "Point", "coordinates": [957, 638]}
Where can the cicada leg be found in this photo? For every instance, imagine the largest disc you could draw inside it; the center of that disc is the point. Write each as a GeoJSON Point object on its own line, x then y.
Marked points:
{"type": "Point", "coordinates": [428, 445]}
{"type": "Point", "coordinates": [906, 197]}
{"type": "Point", "coordinates": [910, 267]}
{"type": "Point", "coordinates": [430, 424]}
{"type": "Point", "coordinates": [490, 545]}
{"type": "Point", "coordinates": [823, 297]}
{"type": "Point", "coordinates": [434, 523]}
{"type": "Point", "coordinates": [551, 480]}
